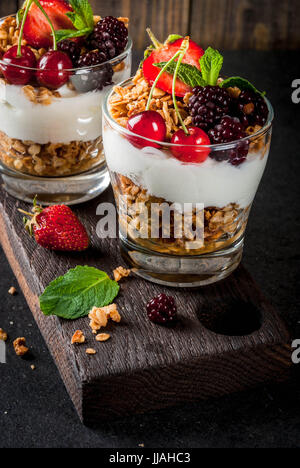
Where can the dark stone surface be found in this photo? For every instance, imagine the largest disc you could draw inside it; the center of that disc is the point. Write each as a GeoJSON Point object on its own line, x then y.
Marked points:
{"type": "Point", "coordinates": [35, 410]}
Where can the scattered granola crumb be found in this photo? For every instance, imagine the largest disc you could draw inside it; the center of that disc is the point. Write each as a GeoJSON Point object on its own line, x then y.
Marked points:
{"type": "Point", "coordinates": [103, 337]}
{"type": "Point", "coordinates": [142, 445]}
{"type": "Point", "coordinates": [120, 273]}
{"type": "Point", "coordinates": [78, 337]}
{"type": "Point", "coordinates": [20, 348]}
{"type": "Point", "coordinates": [3, 335]}
{"type": "Point", "coordinates": [32, 367]}
{"type": "Point", "coordinates": [12, 291]}
{"type": "Point", "coordinates": [99, 316]}
{"type": "Point", "coordinates": [91, 351]}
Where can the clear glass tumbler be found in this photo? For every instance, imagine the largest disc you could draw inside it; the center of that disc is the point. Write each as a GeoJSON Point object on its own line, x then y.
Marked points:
{"type": "Point", "coordinates": [51, 141]}
{"type": "Point", "coordinates": [183, 224]}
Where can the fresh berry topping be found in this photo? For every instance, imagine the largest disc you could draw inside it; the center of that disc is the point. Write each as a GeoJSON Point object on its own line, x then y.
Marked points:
{"type": "Point", "coordinates": [228, 130]}
{"type": "Point", "coordinates": [37, 31]}
{"type": "Point", "coordinates": [54, 69]}
{"type": "Point", "coordinates": [96, 57]}
{"type": "Point", "coordinates": [252, 109]}
{"type": "Point", "coordinates": [71, 48]}
{"type": "Point", "coordinates": [18, 75]}
{"type": "Point", "coordinates": [148, 124]}
{"type": "Point", "coordinates": [164, 54]}
{"type": "Point", "coordinates": [110, 37]}
{"type": "Point", "coordinates": [57, 228]}
{"type": "Point", "coordinates": [208, 105]}
{"type": "Point", "coordinates": [192, 150]}
{"type": "Point", "coordinates": [162, 310]}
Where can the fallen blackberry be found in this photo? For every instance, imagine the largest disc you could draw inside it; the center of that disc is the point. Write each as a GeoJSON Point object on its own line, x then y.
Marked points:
{"type": "Point", "coordinates": [228, 130]}
{"type": "Point", "coordinates": [162, 310]}
{"type": "Point", "coordinates": [251, 109]}
{"type": "Point", "coordinates": [71, 48]}
{"type": "Point", "coordinates": [110, 36]}
{"type": "Point", "coordinates": [208, 105]}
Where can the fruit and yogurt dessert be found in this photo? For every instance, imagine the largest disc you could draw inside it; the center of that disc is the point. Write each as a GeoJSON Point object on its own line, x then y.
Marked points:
{"type": "Point", "coordinates": [177, 133]}
{"type": "Point", "coordinates": [56, 61]}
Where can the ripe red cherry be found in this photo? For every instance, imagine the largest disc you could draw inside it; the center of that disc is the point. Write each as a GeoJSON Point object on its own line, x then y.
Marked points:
{"type": "Point", "coordinates": [18, 75]}
{"type": "Point", "coordinates": [148, 124]}
{"type": "Point", "coordinates": [192, 150]}
{"type": "Point", "coordinates": [54, 69]}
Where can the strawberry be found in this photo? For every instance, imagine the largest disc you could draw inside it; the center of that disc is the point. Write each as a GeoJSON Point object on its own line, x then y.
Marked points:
{"type": "Point", "coordinates": [164, 54]}
{"type": "Point", "coordinates": [37, 30]}
{"type": "Point", "coordinates": [57, 228]}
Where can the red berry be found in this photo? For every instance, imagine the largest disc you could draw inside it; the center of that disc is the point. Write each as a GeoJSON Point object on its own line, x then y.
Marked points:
{"type": "Point", "coordinates": [37, 31]}
{"type": "Point", "coordinates": [18, 75]}
{"type": "Point", "coordinates": [57, 228]}
{"type": "Point", "coordinates": [148, 124]}
{"type": "Point", "coordinates": [192, 150]}
{"type": "Point", "coordinates": [162, 310]}
{"type": "Point", "coordinates": [164, 54]}
{"type": "Point", "coordinates": [54, 69]}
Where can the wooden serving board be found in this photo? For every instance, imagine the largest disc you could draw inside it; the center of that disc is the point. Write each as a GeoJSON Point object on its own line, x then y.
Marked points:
{"type": "Point", "coordinates": [228, 338]}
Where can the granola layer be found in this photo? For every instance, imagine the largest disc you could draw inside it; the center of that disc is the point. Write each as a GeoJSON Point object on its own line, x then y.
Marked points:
{"type": "Point", "coordinates": [52, 159]}
{"type": "Point", "coordinates": [222, 226]}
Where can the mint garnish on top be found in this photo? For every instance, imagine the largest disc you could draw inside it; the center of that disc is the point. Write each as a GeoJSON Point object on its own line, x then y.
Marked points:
{"type": "Point", "coordinates": [189, 74]}
{"type": "Point", "coordinates": [211, 64]}
{"type": "Point", "coordinates": [73, 295]}
{"type": "Point", "coordinates": [82, 18]}
{"type": "Point", "coordinates": [241, 83]}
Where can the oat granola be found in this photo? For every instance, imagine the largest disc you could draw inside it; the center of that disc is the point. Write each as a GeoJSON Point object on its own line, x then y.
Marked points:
{"type": "Point", "coordinates": [20, 346]}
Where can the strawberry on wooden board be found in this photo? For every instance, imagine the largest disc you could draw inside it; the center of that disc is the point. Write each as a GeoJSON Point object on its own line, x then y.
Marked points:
{"type": "Point", "coordinates": [57, 228]}
{"type": "Point", "coordinates": [164, 54]}
{"type": "Point", "coordinates": [37, 30]}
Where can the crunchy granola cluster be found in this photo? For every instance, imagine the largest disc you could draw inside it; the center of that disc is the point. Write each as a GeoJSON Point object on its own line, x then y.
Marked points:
{"type": "Point", "coordinates": [221, 226]}
{"type": "Point", "coordinates": [99, 316]}
{"type": "Point", "coordinates": [20, 346]}
{"type": "Point", "coordinates": [51, 159]}
{"type": "Point", "coordinates": [133, 99]}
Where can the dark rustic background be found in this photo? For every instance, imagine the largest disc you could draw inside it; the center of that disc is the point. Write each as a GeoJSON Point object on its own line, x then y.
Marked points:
{"type": "Point", "coordinates": [224, 24]}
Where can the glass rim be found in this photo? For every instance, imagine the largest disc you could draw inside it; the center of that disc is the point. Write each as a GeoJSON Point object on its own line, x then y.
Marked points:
{"type": "Point", "coordinates": [112, 62]}
{"type": "Point", "coordinates": [217, 146]}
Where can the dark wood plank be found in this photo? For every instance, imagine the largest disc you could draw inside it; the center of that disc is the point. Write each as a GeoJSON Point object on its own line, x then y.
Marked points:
{"type": "Point", "coordinates": [7, 7]}
{"type": "Point", "coordinates": [246, 24]}
{"type": "Point", "coordinates": [144, 367]}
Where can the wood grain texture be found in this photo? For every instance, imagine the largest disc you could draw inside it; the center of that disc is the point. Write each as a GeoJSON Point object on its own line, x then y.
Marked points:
{"type": "Point", "coordinates": [145, 367]}
{"type": "Point", "coordinates": [8, 7]}
{"type": "Point", "coordinates": [246, 24]}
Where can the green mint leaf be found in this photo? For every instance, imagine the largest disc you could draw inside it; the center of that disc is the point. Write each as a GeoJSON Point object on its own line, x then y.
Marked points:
{"type": "Point", "coordinates": [188, 74]}
{"type": "Point", "coordinates": [73, 295]}
{"type": "Point", "coordinates": [172, 38]}
{"type": "Point", "coordinates": [62, 34]}
{"type": "Point", "coordinates": [84, 17]}
{"type": "Point", "coordinates": [211, 64]}
{"type": "Point", "coordinates": [240, 83]}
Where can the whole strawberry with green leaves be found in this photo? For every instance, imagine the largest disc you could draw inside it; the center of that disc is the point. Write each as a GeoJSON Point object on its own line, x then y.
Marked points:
{"type": "Point", "coordinates": [56, 228]}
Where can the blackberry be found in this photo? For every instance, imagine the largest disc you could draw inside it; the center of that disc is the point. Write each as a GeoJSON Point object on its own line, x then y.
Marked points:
{"type": "Point", "coordinates": [91, 58]}
{"type": "Point", "coordinates": [251, 109]}
{"type": "Point", "coordinates": [110, 37]}
{"type": "Point", "coordinates": [71, 48]}
{"type": "Point", "coordinates": [94, 78]}
{"type": "Point", "coordinates": [208, 105]}
{"type": "Point", "coordinates": [229, 129]}
{"type": "Point", "coordinates": [162, 310]}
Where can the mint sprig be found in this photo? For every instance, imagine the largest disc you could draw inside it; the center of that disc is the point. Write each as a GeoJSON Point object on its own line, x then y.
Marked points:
{"type": "Point", "coordinates": [211, 64]}
{"type": "Point", "coordinates": [82, 19]}
{"type": "Point", "coordinates": [241, 83]}
{"type": "Point", "coordinates": [73, 295]}
{"type": "Point", "coordinates": [188, 74]}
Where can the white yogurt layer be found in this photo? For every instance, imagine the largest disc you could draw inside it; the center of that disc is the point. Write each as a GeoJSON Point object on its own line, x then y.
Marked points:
{"type": "Point", "coordinates": [73, 117]}
{"type": "Point", "coordinates": [211, 183]}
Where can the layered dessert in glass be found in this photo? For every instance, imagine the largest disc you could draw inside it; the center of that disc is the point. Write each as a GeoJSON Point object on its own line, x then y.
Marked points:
{"type": "Point", "coordinates": [53, 76]}
{"type": "Point", "coordinates": [178, 135]}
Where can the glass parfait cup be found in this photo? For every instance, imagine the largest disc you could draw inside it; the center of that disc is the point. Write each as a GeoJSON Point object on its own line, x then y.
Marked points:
{"type": "Point", "coordinates": [182, 224]}
{"type": "Point", "coordinates": [51, 141]}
